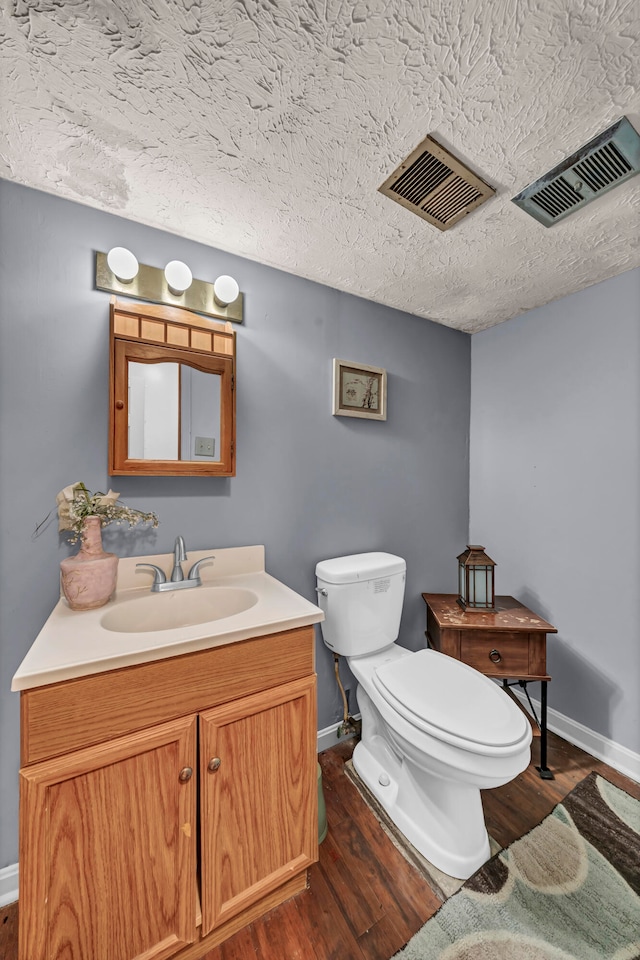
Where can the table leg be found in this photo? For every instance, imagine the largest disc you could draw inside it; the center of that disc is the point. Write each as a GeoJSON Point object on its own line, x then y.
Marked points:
{"type": "Point", "coordinates": [543, 769]}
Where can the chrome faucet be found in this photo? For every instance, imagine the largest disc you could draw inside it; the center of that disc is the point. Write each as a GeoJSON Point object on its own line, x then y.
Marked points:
{"type": "Point", "coordinates": [179, 555]}
{"type": "Point", "coordinates": [177, 581]}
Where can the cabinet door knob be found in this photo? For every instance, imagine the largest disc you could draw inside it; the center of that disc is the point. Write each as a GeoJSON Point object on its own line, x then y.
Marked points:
{"type": "Point", "coordinates": [185, 774]}
{"type": "Point", "coordinates": [495, 656]}
{"type": "Point", "coordinates": [119, 405]}
{"type": "Point", "coordinates": [213, 764]}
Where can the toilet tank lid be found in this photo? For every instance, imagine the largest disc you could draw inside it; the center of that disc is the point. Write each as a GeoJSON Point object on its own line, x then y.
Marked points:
{"type": "Point", "coordinates": [359, 566]}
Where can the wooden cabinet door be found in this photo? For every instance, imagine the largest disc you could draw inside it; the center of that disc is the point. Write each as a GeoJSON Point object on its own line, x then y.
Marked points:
{"type": "Point", "coordinates": [107, 849]}
{"type": "Point", "coordinates": [259, 820]}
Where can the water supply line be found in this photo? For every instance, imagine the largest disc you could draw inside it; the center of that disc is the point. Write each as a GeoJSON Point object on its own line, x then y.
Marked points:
{"type": "Point", "coordinates": [349, 727]}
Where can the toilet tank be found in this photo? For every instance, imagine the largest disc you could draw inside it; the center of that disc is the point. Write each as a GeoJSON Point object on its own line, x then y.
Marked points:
{"type": "Point", "coordinates": [361, 597]}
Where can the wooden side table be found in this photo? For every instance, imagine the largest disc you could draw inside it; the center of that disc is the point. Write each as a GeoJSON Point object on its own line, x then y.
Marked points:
{"type": "Point", "coordinates": [509, 643]}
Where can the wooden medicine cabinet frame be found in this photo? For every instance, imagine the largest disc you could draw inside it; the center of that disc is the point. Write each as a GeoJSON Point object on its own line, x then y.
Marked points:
{"type": "Point", "coordinates": [150, 333]}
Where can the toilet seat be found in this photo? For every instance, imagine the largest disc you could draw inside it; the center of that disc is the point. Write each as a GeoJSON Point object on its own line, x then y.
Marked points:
{"type": "Point", "coordinates": [441, 696]}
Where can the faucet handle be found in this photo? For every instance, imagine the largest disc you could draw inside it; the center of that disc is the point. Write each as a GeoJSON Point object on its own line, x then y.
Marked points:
{"type": "Point", "coordinates": [194, 573]}
{"type": "Point", "coordinates": [159, 577]}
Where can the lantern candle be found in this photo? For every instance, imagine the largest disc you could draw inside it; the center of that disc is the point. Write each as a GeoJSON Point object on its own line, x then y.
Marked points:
{"type": "Point", "coordinates": [476, 590]}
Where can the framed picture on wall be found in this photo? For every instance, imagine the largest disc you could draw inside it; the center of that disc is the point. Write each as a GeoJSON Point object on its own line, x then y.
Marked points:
{"type": "Point", "coordinates": [359, 390]}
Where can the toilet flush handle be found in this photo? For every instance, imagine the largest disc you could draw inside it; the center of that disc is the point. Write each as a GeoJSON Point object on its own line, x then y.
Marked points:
{"type": "Point", "coordinates": [321, 591]}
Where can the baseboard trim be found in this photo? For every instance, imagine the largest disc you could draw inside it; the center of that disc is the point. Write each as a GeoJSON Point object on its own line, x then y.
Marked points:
{"type": "Point", "coordinates": [328, 737]}
{"type": "Point", "coordinates": [620, 758]}
{"type": "Point", "coordinates": [8, 884]}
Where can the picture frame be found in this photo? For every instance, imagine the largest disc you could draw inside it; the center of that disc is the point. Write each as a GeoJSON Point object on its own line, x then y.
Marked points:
{"type": "Point", "coordinates": [359, 390]}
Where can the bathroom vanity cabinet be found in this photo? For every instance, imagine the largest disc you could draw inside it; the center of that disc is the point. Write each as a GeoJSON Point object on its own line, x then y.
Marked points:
{"type": "Point", "coordinates": [165, 805]}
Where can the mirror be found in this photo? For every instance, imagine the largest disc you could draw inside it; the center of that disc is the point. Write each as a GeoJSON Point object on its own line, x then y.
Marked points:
{"type": "Point", "coordinates": [172, 393]}
{"type": "Point", "coordinates": [174, 412]}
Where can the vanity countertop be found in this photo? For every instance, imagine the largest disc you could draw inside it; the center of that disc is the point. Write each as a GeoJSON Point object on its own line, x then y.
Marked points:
{"type": "Point", "coordinates": [75, 644]}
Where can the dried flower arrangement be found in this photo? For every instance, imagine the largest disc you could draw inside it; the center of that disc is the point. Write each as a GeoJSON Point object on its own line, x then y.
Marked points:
{"type": "Point", "coordinates": [76, 503]}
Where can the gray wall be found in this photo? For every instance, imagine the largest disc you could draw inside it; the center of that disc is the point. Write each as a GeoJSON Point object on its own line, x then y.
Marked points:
{"type": "Point", "coordinates": [308, 486]}
{"type": "Point", "coordinates": [555, 489]}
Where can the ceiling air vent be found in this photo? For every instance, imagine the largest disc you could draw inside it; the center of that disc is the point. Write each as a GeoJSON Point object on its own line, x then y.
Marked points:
{"type": "Point", "coordinates": [436, 185]}
{"type": "Point", "coordinates": [609, 159]}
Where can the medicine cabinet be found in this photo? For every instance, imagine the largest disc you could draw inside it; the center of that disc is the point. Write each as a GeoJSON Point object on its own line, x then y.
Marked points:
{"type": "Point", "coordinates": [172, 393]}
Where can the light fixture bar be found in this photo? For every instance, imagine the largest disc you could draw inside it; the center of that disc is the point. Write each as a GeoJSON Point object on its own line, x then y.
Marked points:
{"type": "Point", "coordinates": [150, 284]}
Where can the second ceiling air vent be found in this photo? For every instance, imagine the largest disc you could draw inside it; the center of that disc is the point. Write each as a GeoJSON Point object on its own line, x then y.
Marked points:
{"type": "Point", "coordinates": [436, 186]}
{"type": "Point", "coordinates": [601, 164]}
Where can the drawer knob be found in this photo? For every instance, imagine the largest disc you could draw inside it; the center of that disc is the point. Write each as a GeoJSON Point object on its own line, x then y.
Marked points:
{"type": "Point", "coordinates": [495, 656]}
{"type": "Point", "coordinates": [185, 774]}
{"type": "Point", "coordinates": [213, 764]}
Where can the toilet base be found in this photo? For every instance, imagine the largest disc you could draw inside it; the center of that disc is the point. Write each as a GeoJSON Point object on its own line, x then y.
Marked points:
{"type": "Point", "coordinates": [443, 819]}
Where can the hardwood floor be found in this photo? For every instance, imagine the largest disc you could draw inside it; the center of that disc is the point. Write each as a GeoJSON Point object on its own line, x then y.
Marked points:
{"type": "Point", "coordinates": [364, 899]}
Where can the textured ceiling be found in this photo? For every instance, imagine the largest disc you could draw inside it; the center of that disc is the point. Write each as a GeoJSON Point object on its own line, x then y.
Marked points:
{"type": "Point", "coordinates": [265, 128]}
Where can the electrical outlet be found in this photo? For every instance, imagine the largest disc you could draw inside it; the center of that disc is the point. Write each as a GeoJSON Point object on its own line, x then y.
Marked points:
{"type": "Point", "coordinates": [205, 446]}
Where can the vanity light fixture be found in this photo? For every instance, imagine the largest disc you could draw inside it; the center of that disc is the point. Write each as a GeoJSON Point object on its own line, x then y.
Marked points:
{"type": "Point", "coordinates": [225, 290]}
{"type": "Point", "coordinates": [118, 271]}
{"type": "Point", "coordinates": [122, 264]}
{"type": "Point", "coordinates": [178, 276]}
{"type": "Point", "coordinates": [476, 582]}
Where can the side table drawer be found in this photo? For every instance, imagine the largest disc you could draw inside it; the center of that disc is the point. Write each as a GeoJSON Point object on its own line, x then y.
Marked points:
{"type": "Point", "coordinates": [498, 654]}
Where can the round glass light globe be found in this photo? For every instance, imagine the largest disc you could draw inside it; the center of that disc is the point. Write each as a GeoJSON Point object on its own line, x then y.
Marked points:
{"type": "Point", "coordinates": [178, 276]}
{"type": "Point", "coordinates": [122, 263]}
{"type": "Point", "coordinates": [225, 291]}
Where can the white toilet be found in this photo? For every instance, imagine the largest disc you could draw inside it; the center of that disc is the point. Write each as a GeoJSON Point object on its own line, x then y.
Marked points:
{"type": "Point", "coordinates": [434, 730]}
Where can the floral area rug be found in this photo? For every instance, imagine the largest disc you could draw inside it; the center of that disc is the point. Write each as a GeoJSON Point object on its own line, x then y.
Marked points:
{"type": "Point", "coordinates": [568, 890]}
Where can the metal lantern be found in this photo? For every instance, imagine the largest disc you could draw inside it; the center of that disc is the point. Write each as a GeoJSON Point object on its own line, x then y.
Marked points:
{"type": "Point", "coordinates": [476, 588]}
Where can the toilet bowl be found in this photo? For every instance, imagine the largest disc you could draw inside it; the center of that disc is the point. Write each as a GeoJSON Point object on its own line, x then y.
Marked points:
{"type": "Point", "coordinates": [434, 731]}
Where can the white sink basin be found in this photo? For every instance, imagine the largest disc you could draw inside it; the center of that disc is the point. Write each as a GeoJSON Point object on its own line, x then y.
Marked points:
{"type": "Point", "coordinates": [180, 608]}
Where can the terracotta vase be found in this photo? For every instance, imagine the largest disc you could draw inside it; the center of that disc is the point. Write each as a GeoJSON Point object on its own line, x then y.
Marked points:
{"type": "Point", "coordinates": [89, 578]}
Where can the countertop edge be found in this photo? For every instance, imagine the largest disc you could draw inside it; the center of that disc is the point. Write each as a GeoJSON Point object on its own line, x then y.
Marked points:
{"type": "Point", "coordinates": [74, 671]}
